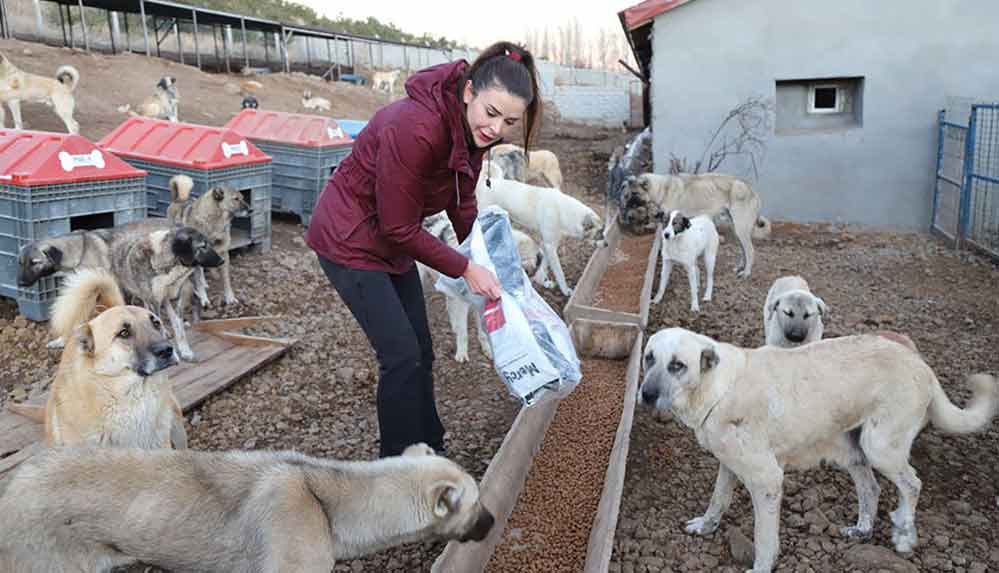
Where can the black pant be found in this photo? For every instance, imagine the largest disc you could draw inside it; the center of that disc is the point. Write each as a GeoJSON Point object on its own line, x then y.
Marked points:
{"type": "Point", "coordinates": [391, 311]}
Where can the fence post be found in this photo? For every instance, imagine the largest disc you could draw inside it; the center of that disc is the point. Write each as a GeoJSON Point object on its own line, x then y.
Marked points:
{"type": "Point", "coordinates": [180, 46]}
{"type": "Point", "coordinates": [145, 28]}
{"type": "Point", "coordinates": [941, 115]}
{"type": "Point", "coordinates": [969, 166]}
{"type": "Point", "coordinates": [246, 56]}
{"type": "Point", "coordinates": [39, 20]}
{"type": "Point", "coordinates": [83, 26]}
{"type": "Point", "coordinates": [112, 29]}
{"type": "Point", "coordinates": [197, 50]}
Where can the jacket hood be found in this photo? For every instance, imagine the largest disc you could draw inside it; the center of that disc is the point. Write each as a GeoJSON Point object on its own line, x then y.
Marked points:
{"type": "Point", "coordinates": [436, 88]}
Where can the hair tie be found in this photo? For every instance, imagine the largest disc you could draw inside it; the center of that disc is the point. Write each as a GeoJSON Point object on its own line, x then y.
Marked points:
{"type": "Point", "coordinates": [515, 56]}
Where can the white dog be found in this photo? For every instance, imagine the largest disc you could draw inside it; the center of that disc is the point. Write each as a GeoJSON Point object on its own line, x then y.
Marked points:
{"type": "Point", "coordinates": [457, 309]}
{"type": "Point", "coordinates": [547, 211]}
{"type": "Point", "coordinates": [856, 401]}
{"type": "Point", "coordinates": [316, 103]}
{"type": "Point", "coordinates": [385, 81]}
{"type": "Point", "coordinates": [792, 315]}
{"type": "Point", "coordinates": [684, 240]}
{"type": "Point", "coordinates": [17, 85]}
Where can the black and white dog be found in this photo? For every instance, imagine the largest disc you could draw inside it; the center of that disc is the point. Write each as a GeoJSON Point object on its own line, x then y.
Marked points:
{"type": "Point", "coordinates": [684, 240]}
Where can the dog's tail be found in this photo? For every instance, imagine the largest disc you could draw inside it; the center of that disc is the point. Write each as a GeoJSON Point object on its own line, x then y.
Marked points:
{"type": "Point", "coordinates": [83, 293]}
{"type": "Point", "coordinates": [68, 76]}
{"type": "Point", "coordinates": [953, 420]}
{"type": "Point", "coordinates": [32, 412]}
{"type": "Point", "coordinates": [180, 188]}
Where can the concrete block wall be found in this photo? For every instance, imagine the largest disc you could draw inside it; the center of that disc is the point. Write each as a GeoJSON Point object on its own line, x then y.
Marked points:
{"type": "Point", "coordinates": [603, 106]}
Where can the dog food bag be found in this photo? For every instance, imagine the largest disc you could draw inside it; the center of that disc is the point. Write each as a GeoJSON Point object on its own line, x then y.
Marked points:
{"type": "Point", "coordinates": [531, 347]}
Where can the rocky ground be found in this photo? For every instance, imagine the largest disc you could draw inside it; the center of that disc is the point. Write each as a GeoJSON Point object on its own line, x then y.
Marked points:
{"type": "Point", "coordinates": [945, 300]}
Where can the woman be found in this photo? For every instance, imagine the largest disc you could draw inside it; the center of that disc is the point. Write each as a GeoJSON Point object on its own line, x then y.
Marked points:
{"type": "Point", "coordinates": [416, 157]}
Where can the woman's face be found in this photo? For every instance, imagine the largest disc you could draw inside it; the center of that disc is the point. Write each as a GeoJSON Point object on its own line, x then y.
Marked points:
{"type": "Point", "coordinates": [491, 113]}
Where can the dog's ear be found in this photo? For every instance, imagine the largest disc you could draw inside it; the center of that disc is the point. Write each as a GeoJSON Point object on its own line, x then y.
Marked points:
{"type": "Point", "coordinates": [660, 216]}
{"type": "Point", "coordinates": [447, 496]}
{"type": "Point", "coordinates": [419, 449]}
{"type": "Point", "coordinates": [643, 182]}
{"type": "Point", "coordinates": [823, 309]}
{"type": "Point", "coordinates": [54, 254]}
{"type": "Point", "coordinates": [684, 223]}
{"type": "Point", "coordinates": [218, 194]}
{"type": "Point", "coordinates": [709, 359]}
{"type": "Point", "coordinates": [772, 309]}
{"type": "Point", "coordinates": [182, 246]}
{"type": "Point", "coordinates": [84, 337]}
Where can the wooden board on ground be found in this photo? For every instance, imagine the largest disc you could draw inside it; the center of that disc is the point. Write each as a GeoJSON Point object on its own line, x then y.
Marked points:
{"type": "Point", "coordinates": [223, 358]}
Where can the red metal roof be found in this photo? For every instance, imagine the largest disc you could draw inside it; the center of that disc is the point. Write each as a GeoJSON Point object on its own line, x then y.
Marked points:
{"type": "Point", "coordinates": [289, 128]}
{"type": "Point", "coordinates": [32, 158]}
{"type": "Point", "coordinates": [185, 145]}
{"type": "Point", "coordinates": [641, 14]}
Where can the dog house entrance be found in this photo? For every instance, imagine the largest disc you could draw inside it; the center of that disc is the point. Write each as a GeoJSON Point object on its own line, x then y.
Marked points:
{"type": "Point", "coordinates": [241, 226]}
{"type": "Point", "coordinates": [91, 222]}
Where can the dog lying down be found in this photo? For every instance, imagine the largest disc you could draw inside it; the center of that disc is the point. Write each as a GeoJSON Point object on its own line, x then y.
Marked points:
{"type": "Point", "coordinates": [265, 511]}
{"type": "Point", "coordinates": [856, 401]}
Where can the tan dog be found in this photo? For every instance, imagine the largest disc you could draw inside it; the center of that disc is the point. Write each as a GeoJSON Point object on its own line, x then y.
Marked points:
{"type": "Point", "coordinates": [316, 103]}
{"type": "Point", "coordinates": [856, 401]}
{"type": "Point", "coordinates": [161, 105]}
{"type": "Point", "coordinates": [17, 86]}
{"type": "Point", "coordinates": [261, 511]}
{"type": "Point", "coordinates": [645, 195]}
{"type": "Point", "coordinates": [110, 388]}
{"type": "Point", "coordinates": [792, 315]}
{"type": "Point", "coordinates": [540, 167]}
{"type": "Point", "coordinates": [212, 214]}
{"type": "Point", "coordinates": [385, 81]}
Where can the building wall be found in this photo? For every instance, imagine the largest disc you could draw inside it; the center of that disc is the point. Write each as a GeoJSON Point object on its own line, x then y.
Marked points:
{"type": "Point", "coordinates": [711, 55]}
{"type": "Point", "coordinates": [605, 107]}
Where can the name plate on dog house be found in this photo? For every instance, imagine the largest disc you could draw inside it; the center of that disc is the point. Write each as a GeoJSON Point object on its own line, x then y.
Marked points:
{"type": "Point", "coordinates": [184, 145]}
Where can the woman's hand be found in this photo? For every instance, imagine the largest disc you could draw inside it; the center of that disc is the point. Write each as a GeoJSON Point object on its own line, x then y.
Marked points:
{"type": "Point", "coordinates": [482, 281]}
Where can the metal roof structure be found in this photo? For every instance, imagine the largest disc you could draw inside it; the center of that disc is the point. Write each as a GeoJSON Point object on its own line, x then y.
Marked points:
{"type": "Point", "coordinates": [637, 24]}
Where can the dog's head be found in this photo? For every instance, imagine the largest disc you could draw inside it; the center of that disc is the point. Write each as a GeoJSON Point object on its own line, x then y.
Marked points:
{"type": "Point", "coordinates": [307, 94]}
{"type": "Point", "coordinates": [592, 229]}
{"type": "Point", "coordinates": [249, 102]}
{"type": "Point", "coordinates": [799, 313]}
{"type": "Point", "coordinates": [167, 84]}
{"type": "Point", "coordinates": [36, 260]}
{"type": "Point", "coordinates": [193, 249]}
{"type": "Point", "coordinates": [674, 224]}
{"type": "Point", "coordinates": [638, 210]}
{"type": "Point", "coordinates": [230, 201]}
{"type": "Point", "coordinates": [680, 368]}
{"type": "Point", "coordinates": [125, 339]}
{"type": "Point", "coordinates": [450, 503]}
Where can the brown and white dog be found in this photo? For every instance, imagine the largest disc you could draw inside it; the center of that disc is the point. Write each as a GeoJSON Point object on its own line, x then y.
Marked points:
{"type": "Point", "coordinates": [110, 388]}
{"type": "Point", "coordinates": [17, 85]}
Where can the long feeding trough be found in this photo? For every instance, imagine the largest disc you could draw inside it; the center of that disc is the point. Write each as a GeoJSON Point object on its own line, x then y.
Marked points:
{"type": "Point", "coordinates": [305, 149]}
{"type": "Point", "coordinates": [555, 484]}
{"type": "Point", "coordinates": [210, 156]}
{"type": "Point", "coordinates": [52, 184]}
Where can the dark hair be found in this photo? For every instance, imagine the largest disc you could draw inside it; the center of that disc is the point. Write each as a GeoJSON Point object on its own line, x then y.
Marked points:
{"type": "Point", "coordinates": [509, 66]}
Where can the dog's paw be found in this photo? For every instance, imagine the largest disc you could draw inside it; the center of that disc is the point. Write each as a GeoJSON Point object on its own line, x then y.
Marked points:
{"type": "Point", "coordinates": [695, 308]}
{"type": "Point", "coordinates": [205, 302]}
{"type": "Point", "coordinates": [461, 356]}
{"type": "Point", "coordinates": [548, 283]}
{"type": "Point", "coordinates": [855, 532]}
{"type": "Point", "coordinates": [702, 526]}
{"type": "Point", "coordinates": [187, 355]}
{"type": "Point", "coordinates": [743, 274]}
{"type": "Point", "coordinates": [230, 300]}
{"type": "Point", "coordinates": [418, 449]}
{"type": "Point", "coordinates": [567, 292]}
{"type": "Point", "coordinates": [57, 343]}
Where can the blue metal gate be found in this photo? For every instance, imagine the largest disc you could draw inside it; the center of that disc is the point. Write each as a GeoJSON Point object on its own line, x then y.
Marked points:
{"type": "Point", "coordinates": [966, 197]}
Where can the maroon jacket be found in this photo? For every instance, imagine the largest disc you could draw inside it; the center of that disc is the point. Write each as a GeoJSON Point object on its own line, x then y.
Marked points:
{"type": "Point", "coordinates": [411, 161]}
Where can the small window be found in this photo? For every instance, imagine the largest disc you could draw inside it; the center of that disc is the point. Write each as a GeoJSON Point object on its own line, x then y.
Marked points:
{"type": "Point", "coordinates": [825, 99]}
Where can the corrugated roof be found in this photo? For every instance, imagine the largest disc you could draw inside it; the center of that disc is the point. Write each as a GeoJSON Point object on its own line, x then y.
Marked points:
{"type": "Point", "coordinates": [289, 128]}
{"type": "Point", "coordinates": [32, 158]}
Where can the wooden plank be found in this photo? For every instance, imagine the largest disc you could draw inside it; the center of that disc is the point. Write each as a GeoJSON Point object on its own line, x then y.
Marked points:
{"type": "Point", "coordinates": [247, 340]}
{"type": "Point", "coordinates": [610, 340]}
{"type": "Point", "coordinates": [239, 362]}
{"type": "Point", "coordinates": [594, 270]}
{"type": "Point", "coordinates": [500, 488]}
{"type": "Point", "coordinates": [582, 312]}
{"type": "Point", "coordinates": [601, 543]}
{"type": "Point", "coordinates": [650, 276]}
{"type": "Point", "coordinates": [222, 324]}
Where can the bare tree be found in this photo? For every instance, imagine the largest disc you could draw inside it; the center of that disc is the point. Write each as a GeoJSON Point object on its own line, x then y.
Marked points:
{"type": "Point", "coordinates": [742, 133]}
{"type": "Point", "coordinates": [577, 46]}
{"type": "Point", "coordinates": [603, 49]}
{"type": "Point", "coordinates": [546, 48]}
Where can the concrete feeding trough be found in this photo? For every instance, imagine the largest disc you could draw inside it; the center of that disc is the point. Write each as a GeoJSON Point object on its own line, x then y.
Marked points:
{"type": "Point", "coordinates": [603, 337]}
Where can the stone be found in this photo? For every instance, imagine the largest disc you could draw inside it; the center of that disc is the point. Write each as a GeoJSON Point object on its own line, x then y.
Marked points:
{"type": "Point", "coordinates": [877, 558]}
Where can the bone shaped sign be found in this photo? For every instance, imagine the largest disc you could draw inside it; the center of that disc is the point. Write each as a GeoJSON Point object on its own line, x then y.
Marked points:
{"type": "Point", "coordinates": [336, 133]}
{"type": "Point", "coordinates": [240, 148]}
{"type": "Point", "coordinates": [70, 162]}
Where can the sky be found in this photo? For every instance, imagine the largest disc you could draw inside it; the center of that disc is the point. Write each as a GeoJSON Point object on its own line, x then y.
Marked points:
{"type": "Point", "coordinates": [479, 23]}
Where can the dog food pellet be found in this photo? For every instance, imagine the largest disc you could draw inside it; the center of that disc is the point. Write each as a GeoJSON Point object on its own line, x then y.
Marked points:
{"type": "Point", "coordinates": [620, 288]}
{"type": "Point", "coordinates": [549, 528]}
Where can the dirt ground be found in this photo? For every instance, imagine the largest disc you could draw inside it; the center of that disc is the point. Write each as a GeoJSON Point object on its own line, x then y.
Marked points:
{"type": "Point", "coordinates": [946, 301]}
{"type": "Point", "coordinates": [320, 397]}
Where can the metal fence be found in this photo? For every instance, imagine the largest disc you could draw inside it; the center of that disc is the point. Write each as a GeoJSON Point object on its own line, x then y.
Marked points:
{"type": "Point", "coordinates": [966, 196]}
